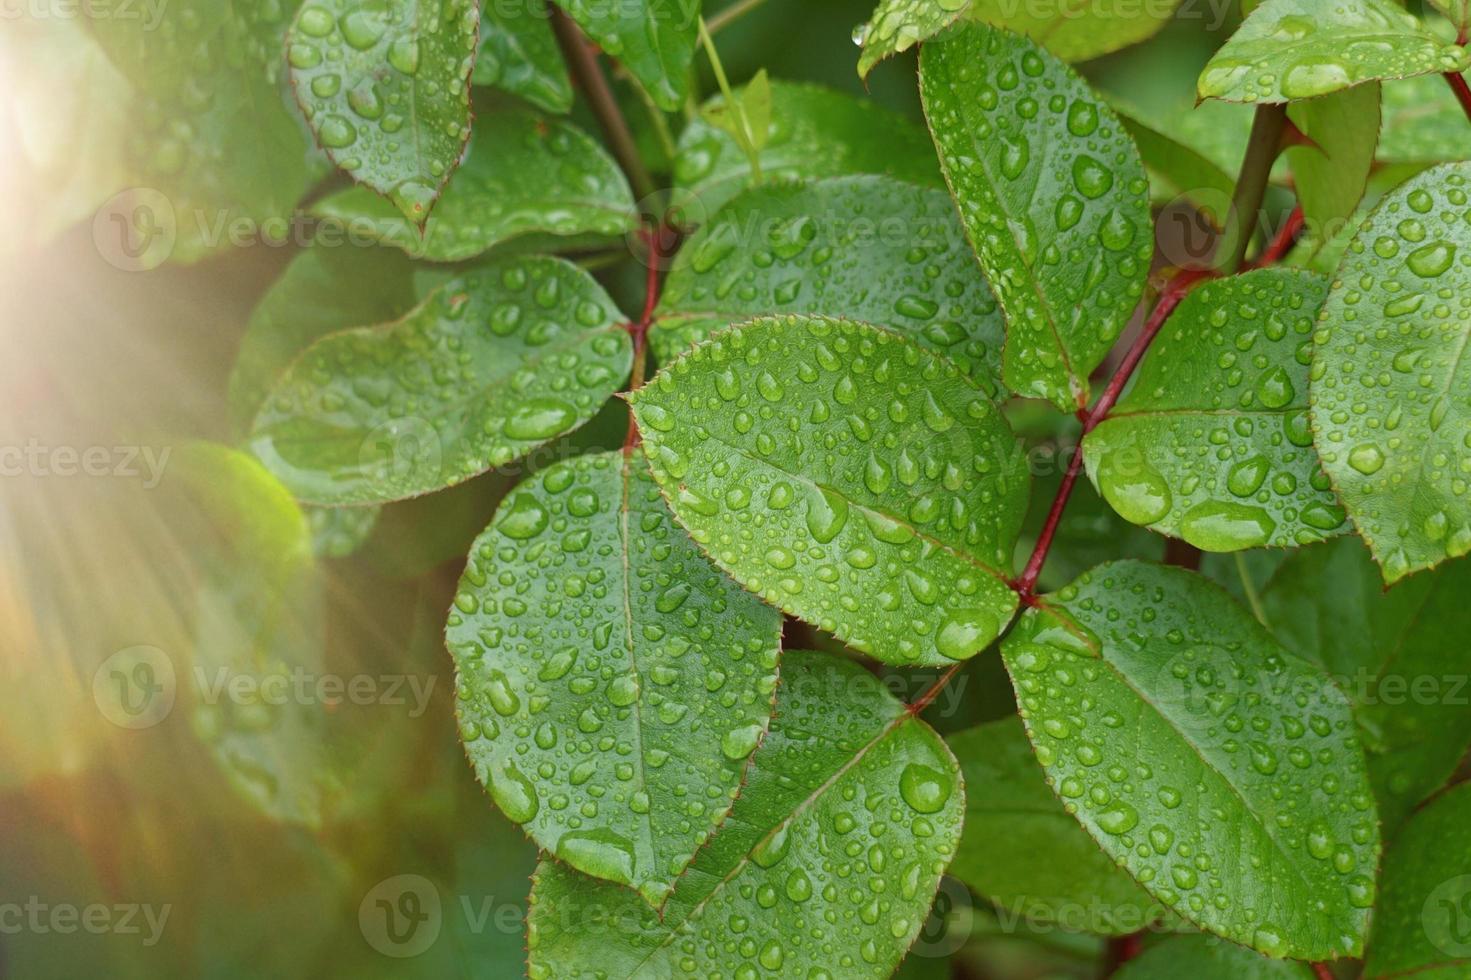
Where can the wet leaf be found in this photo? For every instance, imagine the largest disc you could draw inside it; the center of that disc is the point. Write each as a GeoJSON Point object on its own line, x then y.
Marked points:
{"type": "Point", "coordinates": [1211, 441]}
{"type": "Point", "coordinates": [325, 289]}
{"type": "Point", "coordinates": [1220, 770]}
{"type": "Point", "coordinates": [1049, 868]}
{"type": "Point", "coordinates": [1457, 11]}
{"type": "Point", "coordinates": [215, 145]}
{"type": "Point", "coordinates": [1398, 655]}
{"type": "Point", "coordinates": [524, 174]}
{"type": "Point", "coordinates": [518, 54]}
{"type": "Point", "coordinates": [386, 88]}
{"type": "Point", "coordinates": [493, 364]}
{"type": "Point", "coordinates": [1420, 922]}
{"type": "Point", "coordinates": [1073, 34]}
{"type": "Point", "coordinates": [1330, 176]}
{"type": "Point", "coordinates": [1390, 387]}
{"type": "Point", "coordinates": [1053, 197]}
{"type": "Point", "coordinates": [1423, 122]}
{"type": "Point", "coordinates": [846, 475]}
{"type": "Point", "coordinates": [654, 40]}
{"type": "Point", "coordinates": [612, 682]}
{"type": "Point", "coordinates": [870, 248]}
{"type": "Point", "coordinates": [1301, 49]}
{"type": "Point", "coordinates": [814, 132]}
{"type": "Point", "coordinates": [827, 865]}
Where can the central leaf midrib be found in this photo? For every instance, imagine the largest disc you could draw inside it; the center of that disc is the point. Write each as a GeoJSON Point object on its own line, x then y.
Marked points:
{"type": "Point", "coordinates": [1194, 749]}
{"type": "Point", "coordinates": [673, 928]}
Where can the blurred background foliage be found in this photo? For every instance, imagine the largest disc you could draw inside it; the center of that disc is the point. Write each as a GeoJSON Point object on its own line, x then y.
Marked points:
{"type": "Point", "coordinates": [266, 851]}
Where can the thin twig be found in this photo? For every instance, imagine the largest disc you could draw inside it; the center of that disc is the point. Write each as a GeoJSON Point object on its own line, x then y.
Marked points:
{"type": "Point", "coordinates": [638, 330]}
{"type": "Point", "coordinates": [577, 52]}
{"type": "Point", "coordinates": [1282, 244]}
{"type": "Point", "coordinates": [724, 18]}
{"type": "Point", "coordinates": [1457, 83]}
{"type": "Point", "coordinates": [1251, 186]}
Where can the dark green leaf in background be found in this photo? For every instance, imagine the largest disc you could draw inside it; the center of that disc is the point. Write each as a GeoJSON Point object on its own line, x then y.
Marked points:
{"type": "Point", "coordinates": [518, 54]}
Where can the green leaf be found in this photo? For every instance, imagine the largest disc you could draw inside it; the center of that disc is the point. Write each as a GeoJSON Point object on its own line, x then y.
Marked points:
{"type": "Point", "coordinates": [1398, 654]}
{"type": "Point", "coordinates": [1073, 34]}
{"type": "Point", "coordinates": [870, 248]}
{"type": "Point", "coordinates": [1300, 49]}
{"type": "Point", "coordinates": [518, 54]}
{"type": "Point", "coordinates": [1391, 389]}
{"type": "Point", "coordinates": [1048, 869]}
{"type": "Point", "coordinates": [323, 290]}
{"type": "Point", "coordinates": [1423, 122]}
{"type": "Point", "coordinates": [1175, 168]}
{"type": "Point", "coordinates": [213, 141]}
{"type": "Point", "coordinates": [1331, 176]}
{"type": "Point", "coordinates": [612, 682]}
{"type": "Point", "coordinates": [1053, 197]}
{"type": "Point", "coordinates": [1211, 441]}
{"type": "Point", "coordinates": [337, 532]}
{"type": "Point", "coordinates": [1458, 12]}
{"type": "Point", "coordinates": [1207, 958]}
{"type": "Point", "coordinates": [750, 124]}
{"type": "Point", "coordinates": [1420, 922]}
{"type": "Point", "coordinates": [828, 863]}
{"type": "Point", "coordinates": [258, 614]}
{"type": "Point", "coordinates": [653, 39]}
{"type": "Point", "coordinates": [848, 476]}
{"type": "Point", "coordinates": [386, 87]}
{"type": "Point", "coordinates": [524, 174]}
{"type": "Point", "coordinates": [814, 132]}
{"type": "Point", "coordinates": [491, 365]}
{"type": "Point", "coordinates": [1217, 768]}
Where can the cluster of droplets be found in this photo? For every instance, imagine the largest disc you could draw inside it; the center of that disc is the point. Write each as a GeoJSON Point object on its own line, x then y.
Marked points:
{"type": "Point", "coordinates": [493, 363]}
{"type": "Point", "coordinates": [898, 25]}
{"type": "Point", "coordinates": [1235, 802]}
{"type": "Point", "coordinates": [1314, 51]}
{"type": "Point", "coordinates": [829, 860]}
{"type": "Point", "coordinates": [522, 173]}
{"type": "Point", "coordinates": [1391, 393]}
{"type": "Point", "coordinates": [1038, 207]}
{"type": "Point", "coordinates": [1220, 404]}
{"type": "Point", "coordinates": [846, 475]}
{"type": "Point", "coordinates": [387, 90]}
{"type": "Point", "coordinates": [831, 247]}
{"type": "Point", "coordinates": [612, 683]}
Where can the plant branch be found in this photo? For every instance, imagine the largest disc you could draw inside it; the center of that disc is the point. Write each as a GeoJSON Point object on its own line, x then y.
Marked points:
{"type": "Point", "coordinates": [733, 106]}
{"type": "Point", "coordinates": [724, 18]}
{"type": "Point", "coordinates": [656, 250]}
{"type": "Point", "coordinates": [1282, 244]}
{"type": "Point", "coordinates": [1457, 82]}
{"type": "Point", "coordinates": [1267, 127]}
{"type": "Point", "coordinates": [582, 62]}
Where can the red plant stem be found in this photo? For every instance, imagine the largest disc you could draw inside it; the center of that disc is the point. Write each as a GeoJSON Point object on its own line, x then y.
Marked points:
{"type": "Point", "coordinates": [1169, 298]}
{"type": "Point", "coordinates": [638, 330]}
{"type": "Point", "coordinates": [1321, 971]}
{"type": "Point", "coordinates": [1286, 238]}
{"type": "Point", "coordinates": [1463, 94]}
{"type": "Point", "coordinates": [1122, 949]}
